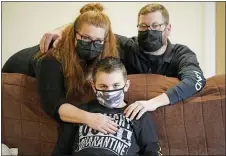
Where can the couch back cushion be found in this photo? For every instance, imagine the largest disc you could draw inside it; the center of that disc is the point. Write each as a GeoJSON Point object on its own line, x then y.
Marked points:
{"type": "Point", "coordinates": [24, 124]}
{"type": "Point", "coordinates": [195, 126]}
{"type": "Point", "coordinates": [191, 127]}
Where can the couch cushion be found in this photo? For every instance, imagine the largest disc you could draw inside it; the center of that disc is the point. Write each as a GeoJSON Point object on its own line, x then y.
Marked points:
{"type": "Point", "coordinates": [25, 124]}
{"type": "Point", "coordinates": [195, 126]}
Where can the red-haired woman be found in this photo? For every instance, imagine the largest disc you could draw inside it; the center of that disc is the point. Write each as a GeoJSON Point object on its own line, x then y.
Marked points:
{"type": "Point", "coordinates": [64, 73]}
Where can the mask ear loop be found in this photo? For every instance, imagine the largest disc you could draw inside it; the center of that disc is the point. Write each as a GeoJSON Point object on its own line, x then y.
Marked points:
{"type": "Point", "coordinates": [124, 94]}
{"type": "Point", "coordinates": [95, 90]}
{"type": "Point", "coordinates": [124, 89]}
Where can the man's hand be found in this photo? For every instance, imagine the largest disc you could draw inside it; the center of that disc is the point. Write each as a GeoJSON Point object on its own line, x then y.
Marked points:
{"type": "Point", "coordinates": [55, 36]}
{"type": "Point", "coordinates": [138, 108]}
{"type": "Point", "coordinates": [102, 123]}
{"type": "Point", "coordinates": [48, 38]}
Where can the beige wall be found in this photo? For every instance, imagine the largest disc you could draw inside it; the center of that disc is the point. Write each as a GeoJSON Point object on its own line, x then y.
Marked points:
{"type": "Point", "coordinates": [24, 23]}
{"type": "Point", "coordinates": [220, 37]}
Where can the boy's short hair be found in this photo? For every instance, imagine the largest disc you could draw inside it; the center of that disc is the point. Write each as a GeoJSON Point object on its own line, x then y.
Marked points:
{"type": "Point", "coordinates": [109, 65]}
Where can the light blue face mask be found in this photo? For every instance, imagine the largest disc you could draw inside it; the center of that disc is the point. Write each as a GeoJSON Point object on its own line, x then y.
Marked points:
{"type": "Point", "coordinates": [110, 98]}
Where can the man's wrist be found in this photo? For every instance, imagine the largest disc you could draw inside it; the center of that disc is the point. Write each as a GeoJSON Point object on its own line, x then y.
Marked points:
{"type": "Point", "coordinates": [165, 99]}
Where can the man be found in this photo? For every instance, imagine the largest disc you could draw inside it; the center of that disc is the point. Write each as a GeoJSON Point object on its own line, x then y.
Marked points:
{"type": "Point", "coordinates": [151, 52]}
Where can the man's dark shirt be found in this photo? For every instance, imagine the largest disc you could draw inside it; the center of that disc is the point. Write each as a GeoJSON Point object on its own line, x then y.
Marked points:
{"type": "Point", "coordinates": [177, 61]}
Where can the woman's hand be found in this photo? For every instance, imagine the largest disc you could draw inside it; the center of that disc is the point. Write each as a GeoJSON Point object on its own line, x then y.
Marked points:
{"type": "Point", "coordinates": [102, 123]}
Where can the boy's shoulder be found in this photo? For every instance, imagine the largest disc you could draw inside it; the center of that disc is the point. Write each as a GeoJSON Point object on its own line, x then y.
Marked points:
{"type": "Point", "coordinates": [87, 106]}
{"type": "Point", "coordinates": [143, 119]}
{"type": "Point", "coordinates": [146, 115]}
{"type": "Point", "coordinates": [95, 107]}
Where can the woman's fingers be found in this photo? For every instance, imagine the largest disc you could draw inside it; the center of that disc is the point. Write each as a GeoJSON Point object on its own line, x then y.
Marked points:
{"type": "Point", "coordinates": [112, 127]}
{"type": "Point", "coordinates": [105, 123]}
{"type": "Point", "coordinates": [108, 129]}
{"type": "Point", "coordinates": [102, 130]}
{"type": "Point", "coordinates": [111, 121]}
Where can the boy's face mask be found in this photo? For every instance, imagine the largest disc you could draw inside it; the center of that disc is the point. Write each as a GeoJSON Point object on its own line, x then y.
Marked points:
{"type": "Point", "coordinates": [110, 98]}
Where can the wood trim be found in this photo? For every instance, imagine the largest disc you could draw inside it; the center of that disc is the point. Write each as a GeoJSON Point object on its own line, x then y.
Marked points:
{"type": "Point", "coordinates": [220, 37]}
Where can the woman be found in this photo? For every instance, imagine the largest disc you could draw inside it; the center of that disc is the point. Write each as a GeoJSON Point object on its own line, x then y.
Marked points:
{"type": "Point", "coordinates": [63, 74]}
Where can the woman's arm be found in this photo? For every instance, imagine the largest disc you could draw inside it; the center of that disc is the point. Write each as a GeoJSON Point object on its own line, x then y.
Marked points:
{"type": "Point", "coordinates": [50, 81]}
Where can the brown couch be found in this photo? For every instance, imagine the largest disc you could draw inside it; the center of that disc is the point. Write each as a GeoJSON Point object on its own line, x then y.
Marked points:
{"type": "Point", "coordinates": [195, 126]}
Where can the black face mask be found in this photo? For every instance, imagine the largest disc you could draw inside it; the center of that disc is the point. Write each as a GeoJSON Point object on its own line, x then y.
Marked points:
{"type": "Point", "coordinates": [150, 40]}
{"type": "Point", "coordinates": [88, 50]}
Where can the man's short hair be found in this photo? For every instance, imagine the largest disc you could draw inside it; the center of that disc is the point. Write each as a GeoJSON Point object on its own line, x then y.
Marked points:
{"type": "Point", "coordinates": [150, 8]}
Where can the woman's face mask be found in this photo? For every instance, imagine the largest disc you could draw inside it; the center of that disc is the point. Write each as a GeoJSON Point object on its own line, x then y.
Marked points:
{"type": "Point", "coordinates": [88, 50]}
{"type": "Point", "coordinates": [110, 98]}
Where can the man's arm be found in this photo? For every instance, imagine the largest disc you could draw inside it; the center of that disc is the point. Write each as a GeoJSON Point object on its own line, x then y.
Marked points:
{"type": "Point", "coordinates": [54, 36]}
{"type": "Point", "coordinates": [191, 81]}
{"type": "Point", "coordinates": [147, 137]}
{"type": "Point", "coordinates": [191, 77]}
{"type": "Point", "coordinates": [124, 45]}
{"type": "Point", "coordinates": [127, 47]}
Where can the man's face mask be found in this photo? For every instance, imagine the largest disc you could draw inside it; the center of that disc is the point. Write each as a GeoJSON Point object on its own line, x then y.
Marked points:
{"type": "Point", "coordinates": [110, 98]}
{"type": "Point", "coordinates": [150, 40]}
{"type": "Point", "coordinates": [88, 50]}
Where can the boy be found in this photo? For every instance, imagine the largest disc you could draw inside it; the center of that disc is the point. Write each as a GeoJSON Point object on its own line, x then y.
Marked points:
{"type": "Point", "coordinates": [133, 137]}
